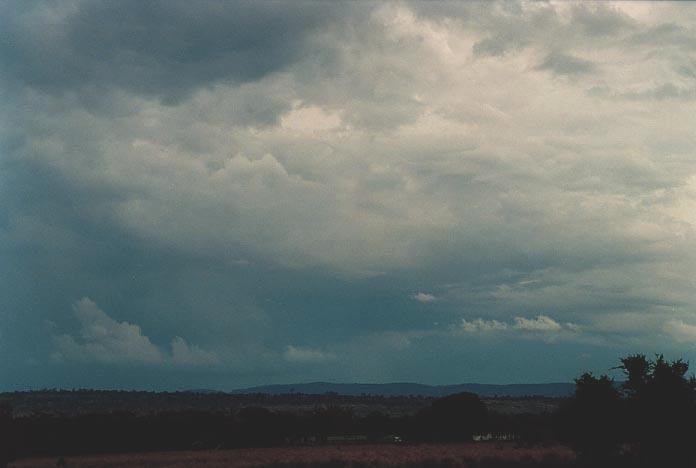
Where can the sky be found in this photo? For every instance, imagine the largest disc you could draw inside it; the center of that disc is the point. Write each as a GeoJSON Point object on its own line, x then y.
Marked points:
{"type": "Point", "coordinates": [226, 194]}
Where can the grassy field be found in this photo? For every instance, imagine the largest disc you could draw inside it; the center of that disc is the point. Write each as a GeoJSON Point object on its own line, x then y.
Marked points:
{"type": "Point", "coordinates": [485, 455]}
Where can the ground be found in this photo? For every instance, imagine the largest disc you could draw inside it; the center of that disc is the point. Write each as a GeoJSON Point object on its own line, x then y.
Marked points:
{"type": "Point", "coordinates": [450, 455]}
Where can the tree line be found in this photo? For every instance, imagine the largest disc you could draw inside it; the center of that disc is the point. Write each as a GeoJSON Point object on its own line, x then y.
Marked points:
{"type": "Point", "coordinates": [453, 418]}
{"type": "Point", "coordinates": [648, 419]}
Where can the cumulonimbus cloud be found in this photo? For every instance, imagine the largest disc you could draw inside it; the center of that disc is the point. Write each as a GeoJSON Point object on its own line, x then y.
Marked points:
{"type": "Point", "coordinates": [103, 339]}
{"type": "Point", "coordinates": [533, 156]}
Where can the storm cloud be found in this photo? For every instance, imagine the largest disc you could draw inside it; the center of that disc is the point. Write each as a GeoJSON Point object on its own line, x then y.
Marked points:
{"type": "Point", "coordinates": [255, 192]}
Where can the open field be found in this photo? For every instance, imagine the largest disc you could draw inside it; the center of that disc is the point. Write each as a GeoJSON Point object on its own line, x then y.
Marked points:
{"type": "Point", "coordinates": [72, 403]}
{"type": "Point", "coordinates": [449, 455]}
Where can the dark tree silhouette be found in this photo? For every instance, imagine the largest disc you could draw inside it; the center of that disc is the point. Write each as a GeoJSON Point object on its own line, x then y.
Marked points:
{"type": "Point", "coordinates": [651, 419]}
{"type": "Point", "coordinates": [636, 368]}
{"type": "Point", "coordinates": [591, 419]}
{"type": "Point", "coordinates": [661, 403]}
{"type": "Point", "coordinates": [7, 435]}
{"type": "Point", "coordinates": [452, 418]}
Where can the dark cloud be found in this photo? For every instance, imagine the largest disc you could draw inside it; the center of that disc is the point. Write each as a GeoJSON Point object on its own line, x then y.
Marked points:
{"type": "Point", "coordinates": [668, 35]}
{"type": "Point", "coordinates": [498, 45]}
{"type": "Point", "coordinates": [665, 91]}
{"type": "Point", "coordinates": [158, 48]}
{"type": "Point", "coordinates": [602, 20]}
{"type": "Point", "coordinates": [566, 65]}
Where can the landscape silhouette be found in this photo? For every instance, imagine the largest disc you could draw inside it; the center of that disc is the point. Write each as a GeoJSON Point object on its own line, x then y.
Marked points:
{"type": "Point", "coordinates": [645, 420]}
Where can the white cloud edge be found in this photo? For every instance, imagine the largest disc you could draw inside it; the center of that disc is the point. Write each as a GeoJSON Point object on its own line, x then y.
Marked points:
{"type": "Point", "coordinates": [540, 324]}
{"type": "Point", "coordinates": [300, 354]}
{"type": "Point", "coordinates": [424, 297]}
{"type": "Point", "coordinates": [680, 331]}
{"type": "Point", "coordinates": [103, 339]}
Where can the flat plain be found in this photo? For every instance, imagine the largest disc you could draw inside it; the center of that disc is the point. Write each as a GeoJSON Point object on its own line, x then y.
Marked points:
{"type": "Point", "coordinates": [438, 455]}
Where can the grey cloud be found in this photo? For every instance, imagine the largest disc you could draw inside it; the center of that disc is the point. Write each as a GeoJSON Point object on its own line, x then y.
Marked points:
{"type": "Point", "coordinates": [306, 355]}
{"type": "Point", "coordinates": [602, 20]}
{"type": "Point", "coordinates": [687, 71]}
{"type": "Point", "coordinates": [511, 27]}
{"type": "Point", "coordinates": [682, 332]}
{"type": "Point", "coordinates": [668, 35]}
{"type": "Point", "coordinates": [666, 91]}
{"type": "Point", "coordinates": [567, 65]}
{"type": "Point", "coordinates": [498, 45]}
{"type": "Point", "coordinates": [191, 355]}
{"type": "Point", "coordinates": [158, 48]}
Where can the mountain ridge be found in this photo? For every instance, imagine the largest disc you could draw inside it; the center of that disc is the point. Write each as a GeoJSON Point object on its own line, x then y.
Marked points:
{"type": "Point", "coordinates": [551, 390]}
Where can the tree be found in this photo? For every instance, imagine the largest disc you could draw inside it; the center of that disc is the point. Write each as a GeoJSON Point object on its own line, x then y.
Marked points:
{"type": "Point", "coordinates": [591, 420]}
{"type": "Point", "coordinates": [636, 368]}
{"type": "Point", "coordinates": [661, 403]}
{"type": "Point", "coordinates": [7, 442]}
{"type": "Point", "coordinates": [452, 418]}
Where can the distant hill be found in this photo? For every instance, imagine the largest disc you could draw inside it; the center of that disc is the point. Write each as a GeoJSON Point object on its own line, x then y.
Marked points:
{"type": "Point", "coordinates": [403, 389]}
